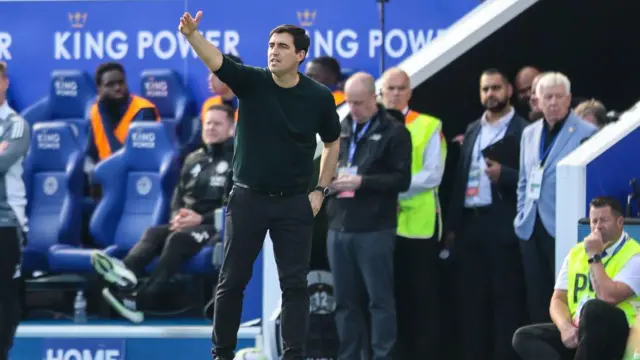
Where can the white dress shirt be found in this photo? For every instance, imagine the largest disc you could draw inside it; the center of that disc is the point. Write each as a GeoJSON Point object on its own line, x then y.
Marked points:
{"type": "Point", "coordinates": [489, 133]}
{"type": "Point", "coordinates": [430, 176]}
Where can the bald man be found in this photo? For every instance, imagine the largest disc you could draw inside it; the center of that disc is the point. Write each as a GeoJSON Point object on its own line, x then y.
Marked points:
{"type": "Point", "coordinates": [524, 81]}
{"type": "Point", "coordinates": [374, 167]}
{"type": "Point", "coordinates": [418, 233]}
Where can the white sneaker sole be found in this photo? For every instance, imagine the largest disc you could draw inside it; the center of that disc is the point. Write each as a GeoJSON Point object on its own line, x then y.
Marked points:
{"type": "Point", "coordinates": [133, 316]}
{"type": "Point", "coordinates": [111, 272]}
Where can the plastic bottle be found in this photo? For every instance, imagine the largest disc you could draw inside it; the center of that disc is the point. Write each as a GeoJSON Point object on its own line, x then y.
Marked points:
{"type": "Point", "coordinates": [80, 308]}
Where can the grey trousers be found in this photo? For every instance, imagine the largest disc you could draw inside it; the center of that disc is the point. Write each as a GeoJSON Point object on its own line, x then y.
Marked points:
{"type": "Point", "coordinates": [362, 268]}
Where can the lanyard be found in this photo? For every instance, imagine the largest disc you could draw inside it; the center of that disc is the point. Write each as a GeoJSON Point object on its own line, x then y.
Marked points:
{"type": "Point", "coordinates": [355, 139]}
{"type": "Point", "coordinates": [545, 153]}
{"type": "Point", "coordinates": [604, 253]}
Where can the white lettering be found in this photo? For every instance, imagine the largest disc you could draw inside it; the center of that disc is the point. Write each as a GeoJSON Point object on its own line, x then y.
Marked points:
{"type": "Point", "coordinates": [59, 48]}
{"type": "Point", "coordinates": [85, 354]}
{"type": "Point", "coordinates": [350, 49]}
{"type": "Point", "coordinates": [145, 40]}
{"type": "Point", "coordinates": [375, 41]}
{"type": "Point", "coordinates": [417, 39]}
{"type": "Point", "coordinates": [396, 33]}
{"type": "Point", "coordinates": [323, 45]}
{"type": "Point", "coordinates": [66, 87]}
{"type": "Point", "coordinates": [49, 141]}
{"type": "Point", "coordinates": [5, 44]}
{"type": "Point", "coordinates": [120, 49]}
{"type": "Point", "coordinates": [114, 44]}
{"type": "Point", "coordinates": [143, 140]}
{"type": "Point", "coordinates": [156, 88]}
{"type": "Point", "coordinates": [157, 48]}
{"type": "Point", "coordinates": [231, 42]}
{"type": "Point", "coordinates": [93, 45]}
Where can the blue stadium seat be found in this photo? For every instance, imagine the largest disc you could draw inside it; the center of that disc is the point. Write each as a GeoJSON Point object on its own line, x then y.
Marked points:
{"type": "Point", "coordinates": [137, 184]}
{"type": "Point", "coordinates": [54, 178]}
{"type": "Point", "coordinates": [71, 94]}
{"type": "Point", "coordinates": [175, 102]}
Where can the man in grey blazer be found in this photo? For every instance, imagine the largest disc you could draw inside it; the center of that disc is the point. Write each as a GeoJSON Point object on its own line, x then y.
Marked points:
{"type": "Point", "coordinates": [544, 143]}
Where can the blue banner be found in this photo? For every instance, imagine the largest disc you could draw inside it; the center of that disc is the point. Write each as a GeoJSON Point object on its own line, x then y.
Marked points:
{"type": "Point", "coordinates": [83, 349]}
{"type": "Point", "coordinates": [37, 37]}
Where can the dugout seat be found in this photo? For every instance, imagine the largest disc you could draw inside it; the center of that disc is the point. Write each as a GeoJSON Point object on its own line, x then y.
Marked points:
{"type": "Point", "coordinates": [174, 101]}
{"type": "Point", "coordinates": [53, 176]}
{"type": "Point", "coordinates": [137, 185]}
{"type": "Point", "coordinates": [71, 94]}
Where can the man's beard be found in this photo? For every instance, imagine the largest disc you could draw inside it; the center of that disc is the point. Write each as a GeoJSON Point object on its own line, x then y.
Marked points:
{"type": "Point", "coordinates": [497, 107]}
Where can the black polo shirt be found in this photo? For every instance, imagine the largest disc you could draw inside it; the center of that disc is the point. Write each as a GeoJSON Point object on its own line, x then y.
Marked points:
{"type": "Point", "coordinates": [276, 130]}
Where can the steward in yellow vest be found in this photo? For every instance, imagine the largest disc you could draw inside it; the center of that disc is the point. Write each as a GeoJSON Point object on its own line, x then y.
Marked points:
{"type": "Point", "coordinates": [596, 295]}
{"type": "Point", "coordinates": [419, 206]}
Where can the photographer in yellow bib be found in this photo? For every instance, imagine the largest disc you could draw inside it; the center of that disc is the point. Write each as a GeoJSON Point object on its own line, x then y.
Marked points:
{"type": "Point", "coordinates": [595, 297]}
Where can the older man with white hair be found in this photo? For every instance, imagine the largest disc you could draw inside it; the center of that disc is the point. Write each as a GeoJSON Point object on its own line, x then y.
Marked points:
{"type": "Point", "coordinates": [544, 143]}
{"type": "Point", "coordinates": [374, 167]}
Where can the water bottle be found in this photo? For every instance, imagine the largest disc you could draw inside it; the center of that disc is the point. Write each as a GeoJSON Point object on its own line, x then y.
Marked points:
{"type": "Point", "coordinates": [80, 308]}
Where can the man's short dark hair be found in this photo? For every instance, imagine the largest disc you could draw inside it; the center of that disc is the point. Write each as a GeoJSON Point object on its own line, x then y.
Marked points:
{"type": "Point", "coordinates": [604, 201]}
{"type": "Point", "coordinates": [301, 40]}
{"type": "Point", "coordinates": [3, 69]}
{"type": "Point", "coordinates": [494, 71]}
{"type": "Point", "coordinates": [228, 110]}
{"type": "Point", "coordinates": [105, 68]}
{"type": "Point", "coordinates": [329, 63]}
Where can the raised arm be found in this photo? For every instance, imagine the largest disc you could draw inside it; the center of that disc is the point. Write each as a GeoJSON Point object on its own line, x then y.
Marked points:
{"type": "Point", "coordinates": [241, 79]}
{"type": "Point", "coordinates": [208, 53]}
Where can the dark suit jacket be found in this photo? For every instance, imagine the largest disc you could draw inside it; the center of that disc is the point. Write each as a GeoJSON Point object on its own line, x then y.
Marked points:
{"type": "Point", "coordinates": [504, 192]}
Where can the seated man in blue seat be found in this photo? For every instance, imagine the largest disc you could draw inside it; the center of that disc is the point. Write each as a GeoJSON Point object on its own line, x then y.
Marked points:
{"type": "Point", "coordinates": [202, 188]}
{"type": "Point", "coordinates": [115, 109]}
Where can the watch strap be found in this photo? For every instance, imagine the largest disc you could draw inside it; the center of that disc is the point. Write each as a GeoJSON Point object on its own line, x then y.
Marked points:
{"type": "Point", "coordinates": [595, 259]}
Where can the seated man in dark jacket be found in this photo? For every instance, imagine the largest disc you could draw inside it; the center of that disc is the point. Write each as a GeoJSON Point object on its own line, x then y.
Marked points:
{"type": "Point", "coordinates": [202, 189]}
{"type": "Point", "coordinates": [374, 167]}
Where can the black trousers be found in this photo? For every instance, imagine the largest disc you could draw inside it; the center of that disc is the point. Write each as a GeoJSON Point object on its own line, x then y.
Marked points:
{"type": "Point", "coordinates": [289, 220]}
{"type": "Point", "coordinates": [602, 335]}
{"type": "Point", "coordinates": [11, 239]}
{"type": "Point", "coordinates": [490, 289]}
{"type": "Point", "coordinates": [538, 259]}
{"type": "Point", "coordinates": [417, 287]}
{"type": "Point", "coordinates": [173, 249]}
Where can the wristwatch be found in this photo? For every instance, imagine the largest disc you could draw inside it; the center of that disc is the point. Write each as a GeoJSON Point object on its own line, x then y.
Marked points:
{"type": "Point", "coordinates": [595, 259]}
{"type": "Point", "coordinates": [323, 190]}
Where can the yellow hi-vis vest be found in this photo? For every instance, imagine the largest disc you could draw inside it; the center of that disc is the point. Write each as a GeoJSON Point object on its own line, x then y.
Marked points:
{"type": "Point", "coordinates": [580, 288]}
{"type": "Point", "coordinates": [418, 215]}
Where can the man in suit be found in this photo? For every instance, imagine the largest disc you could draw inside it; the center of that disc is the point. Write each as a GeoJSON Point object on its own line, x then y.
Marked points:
{"type": "Point", "coordinates": [489, 281]}
{"type": "Point", "coordinates": [544, 144]}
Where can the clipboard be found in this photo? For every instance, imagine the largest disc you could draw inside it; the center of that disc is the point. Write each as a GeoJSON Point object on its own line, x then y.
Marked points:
{"type": "Point", "coordinates": [505, 151]}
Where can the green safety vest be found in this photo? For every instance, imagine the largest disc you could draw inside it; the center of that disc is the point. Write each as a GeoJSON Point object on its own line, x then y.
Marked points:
{"type": "Point", "coordinates": [579, 282]}
{"type": "Point", "coordinates": [418, 215]}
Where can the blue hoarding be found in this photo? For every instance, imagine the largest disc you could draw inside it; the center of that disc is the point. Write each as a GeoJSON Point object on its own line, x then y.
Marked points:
{"type": "Point", "coordinates": [37, 37]}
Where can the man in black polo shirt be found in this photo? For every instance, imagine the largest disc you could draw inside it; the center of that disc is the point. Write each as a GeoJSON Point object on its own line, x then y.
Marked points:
{"type": "Point", "coordinates": [280, 113]}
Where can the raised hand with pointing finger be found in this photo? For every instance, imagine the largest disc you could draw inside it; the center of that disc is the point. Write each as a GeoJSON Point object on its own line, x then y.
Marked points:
{"type": "Point", "coordinates": [188, 24]}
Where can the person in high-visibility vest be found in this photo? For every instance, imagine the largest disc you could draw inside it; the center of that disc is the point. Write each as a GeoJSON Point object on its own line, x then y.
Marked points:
{"type": "Point", "coordinates": [222, 95]}
{"type": "Point", "coordinates": [597, 290]}
{"type": "Point", "coordinates": [419, 227]}
{"type": "Point", "coordinates": [115, 109]}
{"type": "Point", "coordinates": [326, 71]}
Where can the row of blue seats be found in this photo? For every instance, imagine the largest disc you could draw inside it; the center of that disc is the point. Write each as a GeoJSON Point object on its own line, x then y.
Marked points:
{"type": "Point", "coordinates": [73, 92]}
{"type": "Point", "coordinates": [137, 184]}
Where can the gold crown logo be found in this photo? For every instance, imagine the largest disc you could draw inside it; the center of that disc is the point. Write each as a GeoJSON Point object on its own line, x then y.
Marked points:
{"type": "Point", "coordinates": [306, 17]}
{"type": "Point", "coordinates": [77, 19]}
